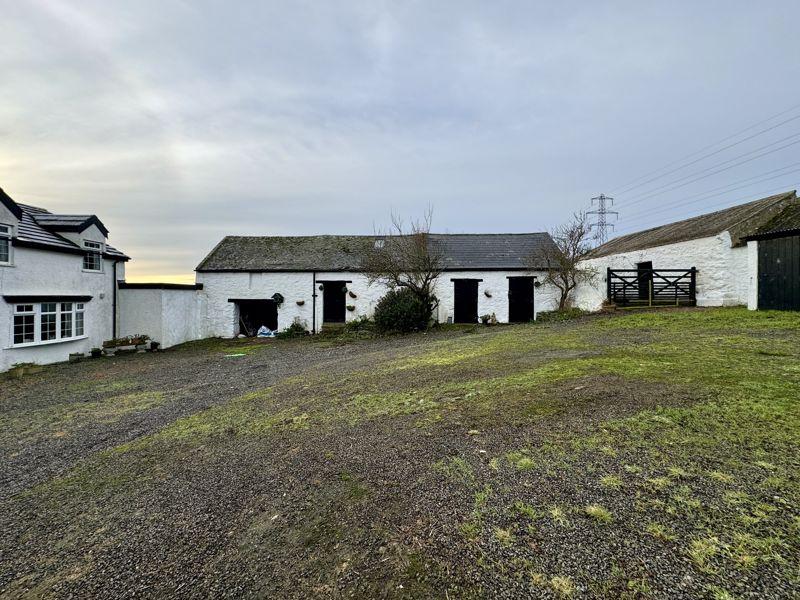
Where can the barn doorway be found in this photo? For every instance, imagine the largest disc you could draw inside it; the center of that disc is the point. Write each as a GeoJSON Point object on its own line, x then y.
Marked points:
{"type": "Point", "coordinates": [520, 299]}
{"type": "Point", "coordinates": [254, 314]}
{"type": "Point", "coordinates": [465, 300]}
{"type": "Point", "coordinates": [779, 273]}
{"type": "Point", "coordinates": [334, 301]}
{"type": "Point", "coordinates": [645, 277]}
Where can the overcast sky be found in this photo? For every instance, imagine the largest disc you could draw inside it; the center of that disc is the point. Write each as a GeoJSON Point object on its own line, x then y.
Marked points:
{"type": "Point", "coordinates": [180, 122]}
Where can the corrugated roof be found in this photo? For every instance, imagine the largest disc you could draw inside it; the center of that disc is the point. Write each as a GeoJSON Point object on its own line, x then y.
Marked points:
{"type": "Point", "coordinates": [741, 221]}
{"type": "Point", "coordinates": [344, 252]}
{"type": "Point", "coordinates": [786, 222]}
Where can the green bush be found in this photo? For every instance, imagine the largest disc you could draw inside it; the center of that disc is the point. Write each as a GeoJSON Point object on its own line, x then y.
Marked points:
{"type": "Point", "coordinates": [401, 310]}
{"type": "Point", "coordinates": [296, 329]}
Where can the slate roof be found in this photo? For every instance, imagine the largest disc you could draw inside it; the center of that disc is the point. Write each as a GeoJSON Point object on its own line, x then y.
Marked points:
{"type": "Point", "coordinates": [741, 220]}
{"type": "Point", "coordinates": [38, 228]}
{"type": "Point", "coordinates": [477, 251]}
{"type": "Point", "coordinates": [786, 222]}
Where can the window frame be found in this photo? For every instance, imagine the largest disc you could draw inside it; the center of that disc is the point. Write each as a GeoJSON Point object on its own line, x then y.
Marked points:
{"type": "Point", "coordinates": [93, 250]}
{"type": "Point", "coordinates": [67, 311]}
{"type": "Point", "coordinates": [7, 236]}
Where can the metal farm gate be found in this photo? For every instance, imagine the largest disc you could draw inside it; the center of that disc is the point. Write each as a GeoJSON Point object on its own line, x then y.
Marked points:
{"type": "Point", "coordinates": [652, 287]}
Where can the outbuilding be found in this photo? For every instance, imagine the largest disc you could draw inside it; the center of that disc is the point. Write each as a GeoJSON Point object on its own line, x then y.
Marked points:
{"type": "Point", "coordinates": [775, 252]}
{"type": "Point", "coordinates": [318, 281]}
{"type": "Point", "coordinates": [704, 261]}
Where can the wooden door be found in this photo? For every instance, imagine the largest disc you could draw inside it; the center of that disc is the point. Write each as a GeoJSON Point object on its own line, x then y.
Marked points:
{"type": "Point", "coordinates": [334, 301]}
{"type": "Point", "coordinates": [465, 300]}
{"type": "Point", "coordinates": [520, 299]}
{"type": "Point", "coordinates": [779, 273]}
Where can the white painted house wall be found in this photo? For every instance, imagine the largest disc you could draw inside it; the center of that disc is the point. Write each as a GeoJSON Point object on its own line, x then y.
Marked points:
{"type": "Point", "coordinates": [43, 272]}
{"type": "Point", "coordinates": [724, 276]}
{"type": "Point", "coordinates": [167, 316]}
{"type": "Point", "coordinates": [222, 319]}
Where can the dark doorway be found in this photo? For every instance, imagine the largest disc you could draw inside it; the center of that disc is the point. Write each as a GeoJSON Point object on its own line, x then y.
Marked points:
{"type": "Point", "coordinates": [520, 299]}
{"type": "Point", "coordinates": [334, 303]}
{"type": "Point", "coordinates": [256, 313]}
{"type": "Point", "coordinates": [465, 301]}
{"type": "Point", "coordinates": [779, 273]}
{"type": "Point", "coordinates": [645, 277]}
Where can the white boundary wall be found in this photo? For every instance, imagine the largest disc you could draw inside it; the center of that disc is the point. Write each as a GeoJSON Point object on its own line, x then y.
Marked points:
{"type": "Point", "coordinates": [726, 275]}
{"type": "Point", "coordinates": [167, 316]}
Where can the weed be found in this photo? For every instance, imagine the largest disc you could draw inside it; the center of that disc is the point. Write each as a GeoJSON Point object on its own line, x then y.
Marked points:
{"type": "Point", "coordinates": [562, 586]}
{"type": "Point", "coordinates": [660, 532]}
{"type": "Point", "coordinates": [598, 513]}
{"type": "Point", "coordinates": [504, 536]}
{"type": "Point", "coordinates": [611, 481]}
{"type": "Point", "coordinates": [558, 515]}
{"type": "Point", "coordinates": [702, 550]}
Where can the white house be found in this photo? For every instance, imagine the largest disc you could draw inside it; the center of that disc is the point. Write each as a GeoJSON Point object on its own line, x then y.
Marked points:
{"type": "Point", "coordinates": [714, 244]}
{"type": "Point", "coordinates": [58, 282]}
{"type": "Point", "coordinates": [318, 281]}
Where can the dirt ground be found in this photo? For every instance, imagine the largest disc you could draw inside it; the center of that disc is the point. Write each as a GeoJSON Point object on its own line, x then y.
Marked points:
{"type": "Point", "coordinates": [605, 457]}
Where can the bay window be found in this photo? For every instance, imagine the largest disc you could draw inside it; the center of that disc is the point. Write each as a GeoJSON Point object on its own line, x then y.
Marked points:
{"type": "Point", "coordinates": [48, 322]}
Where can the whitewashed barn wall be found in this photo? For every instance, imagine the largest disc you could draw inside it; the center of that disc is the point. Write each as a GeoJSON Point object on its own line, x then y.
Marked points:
{"type": "Point", "coordinates": [222, 319]}
{"type": "Point", "coordinates": [40, 272]}
{"type": "Point", "coordinates": [723, 278]}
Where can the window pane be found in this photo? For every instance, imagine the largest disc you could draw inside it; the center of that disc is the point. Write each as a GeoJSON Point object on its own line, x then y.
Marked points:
{"type": "Point", "coordinates": [23, 329]}
{"type": "Point", "coordinates": [91, 261]}
{"type": "Point", "coordinates": [5, 230]}
{"type": "Point", "coordinates": [66, 306]}
{"type": "Point", "coordinates": [79, 306]}
{"type": "Point", "coordinates": [66, 324]}
{"type": "Point", "coordinates": [49, 307]}
{"type": "Point", "coordinates": [24, 308]}
{"type": "Point", "coordinates": [48, 327]}
{"type": "Point", "coordinates": [5, 250]}
{"type": "Point", "coordinates": [78, 323]}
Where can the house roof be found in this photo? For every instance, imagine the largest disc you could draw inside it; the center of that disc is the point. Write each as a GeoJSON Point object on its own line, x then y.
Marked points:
{"type": "Point", "coordinates": [741, 221]}
{"type": "Point", "coordinates": [786, 222]}
{"type": "Point", "coordinates": [492, 251]}
{"type": "Point", "coordinates": [37, 229]}
{"type": "Point", "coordinates": [69, 222]}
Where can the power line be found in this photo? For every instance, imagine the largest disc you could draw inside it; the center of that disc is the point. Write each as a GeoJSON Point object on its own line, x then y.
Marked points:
{"type": "Point", "coordinates": [659, 191]}
{"type": "Point", "coordinates": [622, 188]}
{"type": "Point", "coordinates": [602, 225]}
{"type": "Point", "coordinates": [704, 196]}
{"type": "Point", "coordinates": [644, 226]}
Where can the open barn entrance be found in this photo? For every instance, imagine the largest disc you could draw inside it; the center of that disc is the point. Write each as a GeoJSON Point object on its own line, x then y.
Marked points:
{"type": "Point", "coordinates": [254, 314]}
{"type": "Point", "coordinates": [520, 299]}
{"type": "Point", "coordinates": [465, 300]}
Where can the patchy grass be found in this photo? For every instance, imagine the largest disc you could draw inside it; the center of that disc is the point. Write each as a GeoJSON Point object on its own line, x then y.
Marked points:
{"type": "Point", "coordinates": [670, 430]}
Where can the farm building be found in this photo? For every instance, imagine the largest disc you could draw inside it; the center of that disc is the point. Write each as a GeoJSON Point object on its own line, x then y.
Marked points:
{"type": "Point", "coordinates": [775, 254]}
{"type": "Point", "coordinates": [706, 260]}
{"type": "Point", "coordinates": [318, 280]}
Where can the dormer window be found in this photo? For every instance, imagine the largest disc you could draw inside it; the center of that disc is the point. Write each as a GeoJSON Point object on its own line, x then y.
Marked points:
{"type": "Point", "coordinates": [5, 244]}
{"type": "Point", "coordinates": [93, 259]}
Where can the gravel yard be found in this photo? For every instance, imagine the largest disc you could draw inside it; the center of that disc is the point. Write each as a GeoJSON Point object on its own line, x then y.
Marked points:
{"type": "Point", "coordinates": [653, 454]}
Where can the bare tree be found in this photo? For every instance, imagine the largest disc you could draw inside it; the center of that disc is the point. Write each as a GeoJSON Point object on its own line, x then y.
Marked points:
{"type": "Point", "coordinates": [563, 260]}
{"type": "Point", "coordinates": [406, 256]}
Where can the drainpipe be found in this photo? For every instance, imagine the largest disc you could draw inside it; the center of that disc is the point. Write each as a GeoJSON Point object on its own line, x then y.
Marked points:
{"type": "Point", "coordinates": [313, 302]}
{"type": "Point", "coordinates": [533, 297]}
{"type": "Point", "coordinates": [114, 302]}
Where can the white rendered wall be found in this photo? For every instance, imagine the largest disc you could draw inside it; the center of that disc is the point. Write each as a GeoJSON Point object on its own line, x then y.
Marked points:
{"type": "Point", "coordinates": [752, 264]}
{"type": "Point", "coordinates": [723, 277]}
{"type": "Point", "coordinates": [41, 272]}
{"type": "Point", "coordinates": [169, 317]}
{"type": "Point", "coordinates": [221, 318]}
